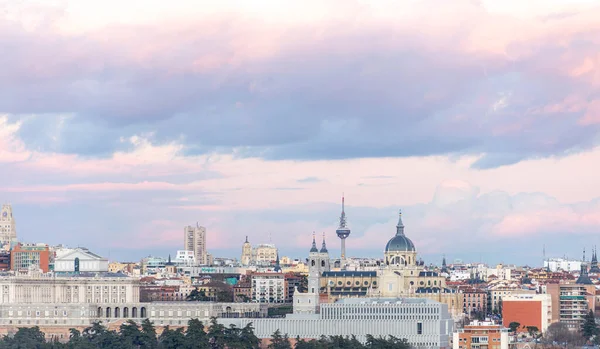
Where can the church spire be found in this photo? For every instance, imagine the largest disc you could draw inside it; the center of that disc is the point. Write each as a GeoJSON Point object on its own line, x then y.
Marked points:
{"type": "Point", "coordinates": [246, 238]}
{"type": "Point", "coordinates": [323, 245]}
{"type": "Point", "coordinates": [277, 268]}
{"type": "Point", "coordinates": [400, 225]}
{"type": "Point", "coordinates": [314, 244]}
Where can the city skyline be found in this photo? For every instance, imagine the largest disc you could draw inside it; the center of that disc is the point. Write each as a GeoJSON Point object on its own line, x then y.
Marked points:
{"type": "Point", "coordinates": [486, 139]}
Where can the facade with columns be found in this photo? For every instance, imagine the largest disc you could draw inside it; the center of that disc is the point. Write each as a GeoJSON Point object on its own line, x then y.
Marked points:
{"type": "Point", "coordinates": [47, 289]}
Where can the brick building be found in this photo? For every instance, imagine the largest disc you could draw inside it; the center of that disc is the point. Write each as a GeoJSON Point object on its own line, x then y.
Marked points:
{"type": "Point", "coordinates": [528, 310]}
{"type": "Point", "coordinates": [480, 335]}
{"type": "Point", "coordinates": [475, 301]}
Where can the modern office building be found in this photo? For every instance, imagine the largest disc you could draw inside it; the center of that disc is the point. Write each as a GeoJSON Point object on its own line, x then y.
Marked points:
{"type": "Point", "coordinates": [194, 239]}
{"type": "Point", "coordinates": [26, 256]}
{"type": "Point", "coordinates": [423, 322]}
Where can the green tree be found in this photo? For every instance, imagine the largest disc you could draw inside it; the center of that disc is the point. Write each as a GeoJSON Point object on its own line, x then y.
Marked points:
{"type": "Point", "coordinates": [243, 298]}
{"type": "Point", "coordinates": [197, 296]}
{"type": "Point", "coordinates": [173, 339]}
{"type": "Point", "coordinates": [513, 326]}
{"type": "Point", "coordinates": [216, 334]}
{"type": "Point", "coordinates": [130, 334]}
{"type": "Point", "coordinates": [195, 337]}
{"type": "Point", "coordinates": [25, 338]}
{"type": "Point", "coordinates": [248, 338]}
{"type": "Point", "coordinates": [148, 338]}
{"type": "Point", "coordinates": [279, 342]}
{"type": "Point", "coordinates": [225, 295]}
{"type": "Point", "coordinates": [589, 328]}
{"type": "Point", "coordinates": [533, 331]}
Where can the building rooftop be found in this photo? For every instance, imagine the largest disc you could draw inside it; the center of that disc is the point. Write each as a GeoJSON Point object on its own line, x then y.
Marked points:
{"type": "Point", "coordinates": [385, 301]}
{"type": "Point", "coordinates": [346, 273]}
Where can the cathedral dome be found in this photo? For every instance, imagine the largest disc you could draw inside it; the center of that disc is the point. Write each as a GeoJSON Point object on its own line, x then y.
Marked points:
{"type": "Point", "coordinates": [400, 243]}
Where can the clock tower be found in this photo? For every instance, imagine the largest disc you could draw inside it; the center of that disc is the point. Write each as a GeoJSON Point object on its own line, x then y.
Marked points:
{"type": "Point", "coordinates": [8, 232]}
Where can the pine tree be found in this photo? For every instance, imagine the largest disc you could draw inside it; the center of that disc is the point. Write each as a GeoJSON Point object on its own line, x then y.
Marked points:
{"type": "Point", "coordinates": [589, 328]}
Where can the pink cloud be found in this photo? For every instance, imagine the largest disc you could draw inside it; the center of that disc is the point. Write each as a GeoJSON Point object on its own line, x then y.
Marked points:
{"type": "Point", "coordinates": [565, 220]}
{"type": "Point", "coordinates": [592, 114]}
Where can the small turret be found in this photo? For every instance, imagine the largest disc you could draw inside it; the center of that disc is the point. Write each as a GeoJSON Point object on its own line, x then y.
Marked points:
{"type": "Point", "coordinates": [323, 246]}
{"type": "Point", "coordinates": [314, 245]}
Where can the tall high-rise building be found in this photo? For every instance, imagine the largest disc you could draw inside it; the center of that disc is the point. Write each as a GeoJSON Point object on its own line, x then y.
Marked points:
{"type": "Point", "coordinates": [343, 231]}
{"type": "Point", "coordinates": [194, 239]}
{"type": "Point", "coordinates": [8, 230]}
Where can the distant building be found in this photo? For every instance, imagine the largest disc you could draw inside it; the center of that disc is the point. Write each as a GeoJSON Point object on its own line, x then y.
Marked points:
{"type": "Point", "coordinates": [481, 335]}
{"type": "Point", "coordinates": [242, 292]}
{"type": "Point", "coordinates": [69, 260]}
{"type": "Point", "coordinates": [81, 289]}
{"type": "Point", "coordinates": [571, 302]}
{"type": "Point", "coordinates": [260, 255]}
{"type": "Point", "coordinates": [562, 264]}
{"type": "Point", "coordinates": [4, 260]}
{"type": "Point", "coordinates": [26, 256]}
{"type": "Point", "coordinates": [185, 257]}
{"type": "Point", "coordinates": [194, 239]}
{"type": "Point", "coordinates": [497, 294]}
{"type": "Point", "coordinates": [475, 301]}
{"type": "Point", "coordinates": [528, 310]}
{"type": "Point", "coordinates": [268, 288]}
{"type": "Point", "coordinates": [8, 229]}
{"type": "Point", "coordinates": [423, 322]}
{"type": "Point", "coordinates": [264, 254]}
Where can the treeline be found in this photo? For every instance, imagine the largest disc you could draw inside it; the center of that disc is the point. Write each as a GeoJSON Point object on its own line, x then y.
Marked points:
{"type": "Point", "coordinates": [217, 336]}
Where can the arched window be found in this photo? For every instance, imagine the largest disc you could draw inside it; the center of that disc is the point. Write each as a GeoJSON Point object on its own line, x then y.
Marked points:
{"type": "Point", "coordinates": [322, 263]}
{"type": "Point", "coordinates": [76, 268]}
{"type": "Point", "coordinates": [312, 263]}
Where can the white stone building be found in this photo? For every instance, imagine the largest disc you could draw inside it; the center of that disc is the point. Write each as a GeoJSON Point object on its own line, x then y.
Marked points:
{"type": "Point", "coordinates": [264, 254]}
{"type": "Point", "coordinates": [48, 289]}
{"type": "Point", "coordinates": [185, 258]}
{"type": "Point", "coordinates": [423, 322]}
{"type": "Point", "coordinates": [194, 239]}
{"type": "Point", "coordinates": [74, 260]}
{"type": "Point", "coordinates": [501, 272]}
{"type": "Point", "coordinates": [160, 313]}
{"type": "Point", "coordinates": [562, 264]}
{"type": "Point", "coordinates": [8, 229]}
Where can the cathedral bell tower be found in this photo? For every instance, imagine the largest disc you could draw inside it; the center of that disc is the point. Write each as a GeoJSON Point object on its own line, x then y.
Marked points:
{"type": "Point", "coordinates": [318, 262]}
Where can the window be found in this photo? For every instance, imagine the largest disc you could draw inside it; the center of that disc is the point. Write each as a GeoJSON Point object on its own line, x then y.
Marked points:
{"type": "Point", "coordinates": [419, 328]}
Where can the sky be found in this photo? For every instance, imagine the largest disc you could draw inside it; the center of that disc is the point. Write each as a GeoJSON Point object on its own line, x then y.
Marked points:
{"type": "Point", "coordinates": [123, 122]}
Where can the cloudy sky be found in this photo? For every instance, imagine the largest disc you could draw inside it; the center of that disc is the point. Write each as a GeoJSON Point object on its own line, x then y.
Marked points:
{"type": "Point", "coordinates": [122, 122]}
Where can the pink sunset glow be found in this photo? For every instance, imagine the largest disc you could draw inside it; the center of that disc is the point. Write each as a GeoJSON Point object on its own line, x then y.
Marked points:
{"type": "Point", "coordinates": [480, 119]}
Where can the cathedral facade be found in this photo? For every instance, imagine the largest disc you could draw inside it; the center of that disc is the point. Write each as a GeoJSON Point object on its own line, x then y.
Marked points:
{"type": "Point", "coordinates": [401, 275]}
